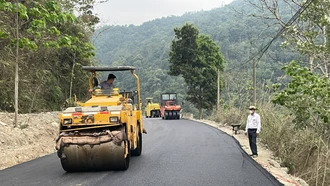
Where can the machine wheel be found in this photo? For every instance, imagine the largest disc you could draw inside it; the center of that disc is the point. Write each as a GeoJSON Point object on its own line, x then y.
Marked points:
{"type": "Point", "coordinates": [170, 115]}
{"type": "Point", "coordinates": [138, 150]}
{"type": "Point", "coordinates": [166, 115]}
{"type": "Point", "coordinates": [175, 115]}
{"type": "Point", "coordinates": [104, 156]}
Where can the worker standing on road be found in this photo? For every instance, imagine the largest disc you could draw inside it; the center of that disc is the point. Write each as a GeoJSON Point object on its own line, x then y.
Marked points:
{"type": "Point", "coordinates": [252, 129]}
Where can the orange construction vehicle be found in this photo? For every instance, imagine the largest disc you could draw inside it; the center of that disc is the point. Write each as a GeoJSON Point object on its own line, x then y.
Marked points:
{"type": "Point", "coordinates": [169, 108]}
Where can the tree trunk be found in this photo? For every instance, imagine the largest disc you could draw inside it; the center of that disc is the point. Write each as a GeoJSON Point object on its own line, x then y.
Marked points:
{"type": "Point", "coordinates": [36, 91]}
{"type": "Point", "coordinates": [254, 83]}
{"type": "Point", "coordinates": [218, 93]}
{"type": "Point", "coordinates": [325, 42]}
{"type": "Point", "coordinates": [200, 112]}
{"type": "Point", "coordinates": [310, 63]}
{"type": "Point", "coordinates": [200, 103]}
{"type": "Point", "coordinates": [71, 81]}
{"type": "Point", "coordinates": [16, 70]}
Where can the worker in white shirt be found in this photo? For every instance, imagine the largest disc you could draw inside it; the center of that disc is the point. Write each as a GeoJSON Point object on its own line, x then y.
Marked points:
{"type": "Point", "coordinates": [252, 129]}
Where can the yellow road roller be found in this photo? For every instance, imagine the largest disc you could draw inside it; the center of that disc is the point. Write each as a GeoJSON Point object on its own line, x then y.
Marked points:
{"type": "Point", "coordinates": [103, 132]}
{"type": "Point", "coordinates": [152, 110]}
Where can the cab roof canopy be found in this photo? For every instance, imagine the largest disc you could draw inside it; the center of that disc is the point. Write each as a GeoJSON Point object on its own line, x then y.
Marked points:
{"type": "Point", "coordinates": [107, 68]}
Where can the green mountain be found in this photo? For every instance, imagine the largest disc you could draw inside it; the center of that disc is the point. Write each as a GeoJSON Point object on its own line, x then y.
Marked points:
{"type": "Point", "coordinates": [239, 35]}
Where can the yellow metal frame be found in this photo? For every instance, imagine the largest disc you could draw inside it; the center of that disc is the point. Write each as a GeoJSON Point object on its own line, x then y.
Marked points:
{"type": "Point", "coordinates": [128, 115]}
{"type": "Point", "coordinates": [138, 89]}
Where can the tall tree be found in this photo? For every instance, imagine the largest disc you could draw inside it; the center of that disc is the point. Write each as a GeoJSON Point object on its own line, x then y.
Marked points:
{"type": "Point", "coordinates": [39, 25]}
{"type": "Point", "coordinates": [197, 58]}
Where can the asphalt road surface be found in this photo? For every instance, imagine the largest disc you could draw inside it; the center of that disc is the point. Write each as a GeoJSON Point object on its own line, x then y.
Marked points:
{"type": "Point", "coordinates": [175, 152]}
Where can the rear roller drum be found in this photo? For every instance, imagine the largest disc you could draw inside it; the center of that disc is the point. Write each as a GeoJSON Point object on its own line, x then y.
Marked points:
{"type": "Point", "coordinates": [104, 156]}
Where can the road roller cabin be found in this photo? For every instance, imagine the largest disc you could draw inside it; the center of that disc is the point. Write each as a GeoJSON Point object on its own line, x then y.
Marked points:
{"type": "Point", "coordinates": [169, 108]}
{"type": "Point", "coordinates": [103, 132]}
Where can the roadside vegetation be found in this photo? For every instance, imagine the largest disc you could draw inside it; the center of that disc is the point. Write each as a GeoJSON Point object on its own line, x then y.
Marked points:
{"type": "Point", "coordinates": [42, 47]}
{"type": "Point", "coordinates": [296, 116]}
{"type": "Point", "coordinates": [304, 151]}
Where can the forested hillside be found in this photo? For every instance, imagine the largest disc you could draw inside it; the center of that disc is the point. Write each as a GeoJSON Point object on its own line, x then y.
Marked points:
{"type": "Point", "coordinates": [239, 34]}
{"type": "Point", "coordinates": [50, 59]}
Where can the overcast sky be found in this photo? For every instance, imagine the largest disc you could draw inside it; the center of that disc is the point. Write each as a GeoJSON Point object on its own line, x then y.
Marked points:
{"type": "Point", "coordinates": [121, 12]}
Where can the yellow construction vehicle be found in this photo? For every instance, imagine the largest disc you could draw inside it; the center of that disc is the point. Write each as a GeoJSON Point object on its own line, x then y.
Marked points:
{"type": "Point", "coordinates": [152, 110]}
{"type": "Point", "coordinates": [103, 132]}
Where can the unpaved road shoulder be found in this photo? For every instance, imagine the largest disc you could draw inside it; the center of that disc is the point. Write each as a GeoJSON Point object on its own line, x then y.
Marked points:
{"type": "Point", "coordinates": [34, 137]}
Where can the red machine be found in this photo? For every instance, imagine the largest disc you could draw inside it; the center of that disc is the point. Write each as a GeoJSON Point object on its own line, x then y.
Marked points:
{"type": "Point", "coordinates": [169, 108]}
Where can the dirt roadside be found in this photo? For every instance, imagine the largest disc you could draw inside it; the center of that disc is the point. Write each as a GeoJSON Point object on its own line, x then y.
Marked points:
{"type": "Point", "coordinates": [34, 137]}
{"type": "Point", "coordinates": [265, 157]}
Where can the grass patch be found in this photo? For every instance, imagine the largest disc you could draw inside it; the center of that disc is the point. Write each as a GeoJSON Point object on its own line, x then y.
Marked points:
{"type": "Point", "coordinates": [23, 126]}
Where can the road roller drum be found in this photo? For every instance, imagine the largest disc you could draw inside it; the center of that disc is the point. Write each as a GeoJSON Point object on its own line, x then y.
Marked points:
{"type": "Point", "coordinates": [79, 152]}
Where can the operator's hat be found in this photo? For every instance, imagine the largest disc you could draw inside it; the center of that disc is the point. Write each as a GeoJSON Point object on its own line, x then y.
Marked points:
{"type": "Point", "coordinates": [111, 76]}
{"type": "Point", "coordinates": [252, 107]}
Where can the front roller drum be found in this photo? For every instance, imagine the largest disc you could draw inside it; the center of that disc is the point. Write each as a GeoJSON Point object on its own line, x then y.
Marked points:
{"type": "Point", "coordinates": [93, 151]}
{"type": "Point", "coordinates": [105, 156]}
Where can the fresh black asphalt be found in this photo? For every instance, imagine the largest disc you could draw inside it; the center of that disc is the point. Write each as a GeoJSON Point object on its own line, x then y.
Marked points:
{"type": "Point", "coordinates": [175, 153]}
